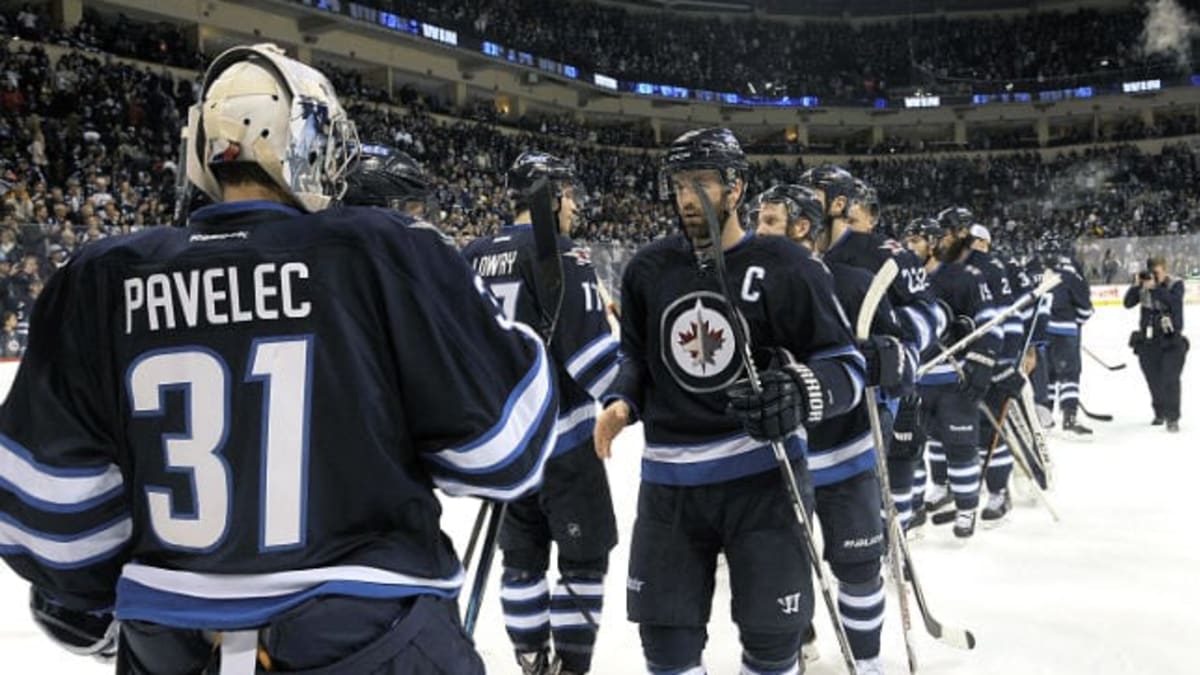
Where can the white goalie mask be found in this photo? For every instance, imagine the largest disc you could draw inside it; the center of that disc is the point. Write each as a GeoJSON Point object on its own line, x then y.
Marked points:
{"type": "Point", "coordinates": [259, 106]}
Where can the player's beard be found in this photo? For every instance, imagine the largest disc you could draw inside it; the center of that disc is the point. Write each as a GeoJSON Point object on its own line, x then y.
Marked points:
{"type": "Point", "coordinates": [695, 228]}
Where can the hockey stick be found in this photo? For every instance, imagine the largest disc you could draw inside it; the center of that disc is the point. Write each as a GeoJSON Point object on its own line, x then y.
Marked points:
{"type": "Point", "coordinates": [862, 331]}
{"type": "Point", "coordinates": [1019, 459]}
{"type": "Point", "coordinates": [959, 638]}
{"type": "Point", "coordinates": [1049, 281]}
{"type": "Point", "coordinates": [1097, 359]}
{"type": "Point", "coordinates": [548, 289]}
{"type": "Point", "coordinates": [742, 340]}
{"type": "Point", "coordinates": [1099, 417]}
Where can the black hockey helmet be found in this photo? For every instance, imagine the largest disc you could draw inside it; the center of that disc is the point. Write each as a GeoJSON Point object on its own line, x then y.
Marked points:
{"type": "Point", "coordinates": [801, 201]}
{"type": "Point", "coordinates": [867, 197]}
{"type": "Point", "coordinates": [388, 177]}
{"type": "Point", "coordinates": [710, 148]}
{"type": "Point", "coordinates": [832, 180]}
{"type": "Point", "coordinates": [928, 228]}
{"type": "Point", "coordinates": [955, 218]}
{"type": "Point", "coordinates": [532, 166]}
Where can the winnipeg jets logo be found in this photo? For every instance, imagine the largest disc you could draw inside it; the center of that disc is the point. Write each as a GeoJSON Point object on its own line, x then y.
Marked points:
{"type": "Point", "coordinates": [698, 345]}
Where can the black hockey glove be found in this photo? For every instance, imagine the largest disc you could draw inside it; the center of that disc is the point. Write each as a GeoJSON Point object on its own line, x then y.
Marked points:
{"type": "Point", "coordinates": [977, 375]}
{"type": "Point", "coordinates": [1007, 382]}
{"type": "Point", "coordinates": [84, 633]}
{"type": "Point", "coordinates": [908, 431]}
{"type": "Point", "coordinates": [960, 327]}
{"type": "Point", "coordinates": [885, 361]}
{"type": "Point", "coordinates": [777, 411]}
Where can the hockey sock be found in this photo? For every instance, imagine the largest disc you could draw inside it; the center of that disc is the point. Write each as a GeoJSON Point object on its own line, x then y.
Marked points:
{"type": "Point", "coordinates": [525, 601]}
{"type": "Point", "coordinates": [770, 653]}
{"type": "Point", "coordinates": [575, 607]}
{"type": "Point", "coordinates": [900, 480]}
{"type": "Point", "coordinates": [999, 469]}
{"type": "Point", "coordinates": [674, 650]}
{"type": "Point", "coordinates": [918, 489]}
{"type": "Point", "coordinates": [861, 607]}
{"type": "Point", "coordinates": [1068, 398]}
{"type": "Point", "coordinates": [963, 470]}
{"type": "Point", "coordinates": [937, 462]}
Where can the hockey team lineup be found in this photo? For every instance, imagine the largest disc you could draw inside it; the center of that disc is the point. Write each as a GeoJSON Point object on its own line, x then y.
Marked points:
{"type": "Point", "coordinates": [784, 442]}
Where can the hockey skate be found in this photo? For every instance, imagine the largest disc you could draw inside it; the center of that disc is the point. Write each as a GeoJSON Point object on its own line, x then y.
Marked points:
{"type": "Point", "coordinates": [937, 497]}
{"type": "Point", "coordinates": [534, 663]}
{"type": "Point", "coordinates": [964, 524]}
{"type": "Point", "coordinates": [1072, 425]}
{"type": "Point", "coordinates": [869, 666]}
{"type": "Point", "coordinates": [1173, 426]}
{"type": "Point", "coordinates": [808, 650]}
{"type": "Point", "coordinates": [1158, 421]}
{"type": "Point", "coordinates": [998, 505]}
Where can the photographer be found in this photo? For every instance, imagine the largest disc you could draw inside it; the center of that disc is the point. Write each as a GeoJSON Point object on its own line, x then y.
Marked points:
{"type": "Point", "coordinates": [1159, 342]}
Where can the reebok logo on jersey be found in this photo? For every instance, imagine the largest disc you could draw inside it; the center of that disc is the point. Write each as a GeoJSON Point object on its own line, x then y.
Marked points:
{"type": "Point", "coordinates": [959, 427]}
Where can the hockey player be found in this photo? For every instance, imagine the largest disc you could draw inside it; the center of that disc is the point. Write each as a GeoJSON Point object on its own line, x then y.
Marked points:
{"type": "Point", "coordinates": [851, 213]}
{"type": "Point", "coordinates": [1007, 380]}
{"type": "Point", "coordinates": [1070, 309]}
{"type": "Point", "coordinates": [841, 455]}
{"type": "Point", "coordinates": [229, 432]}
{"type": "Point", "coordinates": [574, 508]}
{"type": "Point", "coordinates": [710, 480]}
{"type": "Point", "coordinates": [950, 392]}
{"type": "Point", "coordinates": [390, 178]}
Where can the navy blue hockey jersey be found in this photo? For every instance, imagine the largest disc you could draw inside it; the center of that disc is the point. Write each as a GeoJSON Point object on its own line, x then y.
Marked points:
{"type": "Point", "coordinates": [1072, 304]}
{"type": "Point", "coordinates": [583, 347]}
{"type": "Point", "coordinates": [678, 352]}
{"type": "Point", "coordinates": [1003, 296]}
{"type": "Point", "coordinates": [965, 291]}
{"type": "Point", "coordinates": [216, 423]}
{"type": "Point", "coordinates": [843, 446]}
{"type": "Point", "coordinates": [919, 315]}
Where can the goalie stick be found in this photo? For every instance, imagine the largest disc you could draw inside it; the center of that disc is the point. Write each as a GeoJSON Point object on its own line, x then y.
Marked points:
{"type": "Point", "coordinates": [742, 340]}
{"type": "Point", "coordinates": [862, 330]}
{"type": "Point", "coordinates": [548, 289]}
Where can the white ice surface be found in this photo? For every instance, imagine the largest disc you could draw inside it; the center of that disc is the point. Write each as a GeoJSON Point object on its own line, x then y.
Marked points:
{"type": "Point", "coordinates": [1110, 589]}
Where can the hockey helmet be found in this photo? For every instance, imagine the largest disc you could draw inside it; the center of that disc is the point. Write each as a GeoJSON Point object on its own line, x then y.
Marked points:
{"type": "Point", "coordinates": [711, 148]}
{"type": "Point", "coordinates": [385, 176]}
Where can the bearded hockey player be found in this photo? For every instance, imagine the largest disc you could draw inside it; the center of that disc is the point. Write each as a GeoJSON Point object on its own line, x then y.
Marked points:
{"type": "Point", "coordinates": [710, 479]}
{"type": "Point", "coordinates": [573, 510]}
{"type": "Point", "coordinates": [950, 392]}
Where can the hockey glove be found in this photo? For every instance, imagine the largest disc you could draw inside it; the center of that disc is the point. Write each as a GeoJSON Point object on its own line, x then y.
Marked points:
{"type": "Point", "coordinates": [977, 375]}
{"type": "Point", "coordinates": [885, 361]}
{"type": "Point", "coordinates": [84, 633]}
{"type": "Point", "coordinates": [908, 431]}
{"type": "Point", "coordinates": [778, 410]}
{"type": "Point", "coordinates": [960, 327]}
{"type": "Point", "coordinates": [1007, 382]}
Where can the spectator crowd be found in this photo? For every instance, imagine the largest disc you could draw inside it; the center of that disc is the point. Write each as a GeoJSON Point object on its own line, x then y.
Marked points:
{"type": "Point", "coordinates": [830, 59]}
{"type": "Point", "coordinates": [88, 146]}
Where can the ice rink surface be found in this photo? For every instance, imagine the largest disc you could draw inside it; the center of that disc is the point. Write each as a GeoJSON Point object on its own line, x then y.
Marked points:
{"type": "Point", "coordinates": [1110, 589]}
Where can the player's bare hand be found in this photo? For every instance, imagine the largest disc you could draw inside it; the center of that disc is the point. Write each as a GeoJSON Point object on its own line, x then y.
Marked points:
{"type": "Point", "coordinates": [611, 421]}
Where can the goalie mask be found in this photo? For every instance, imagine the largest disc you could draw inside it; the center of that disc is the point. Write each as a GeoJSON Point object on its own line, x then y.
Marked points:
{"type": "Point", "coordinates": [260, 107]}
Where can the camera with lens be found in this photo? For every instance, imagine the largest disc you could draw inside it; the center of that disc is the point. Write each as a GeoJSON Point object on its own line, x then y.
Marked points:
{"type": "Point", "coordinates": [1145, 275]}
